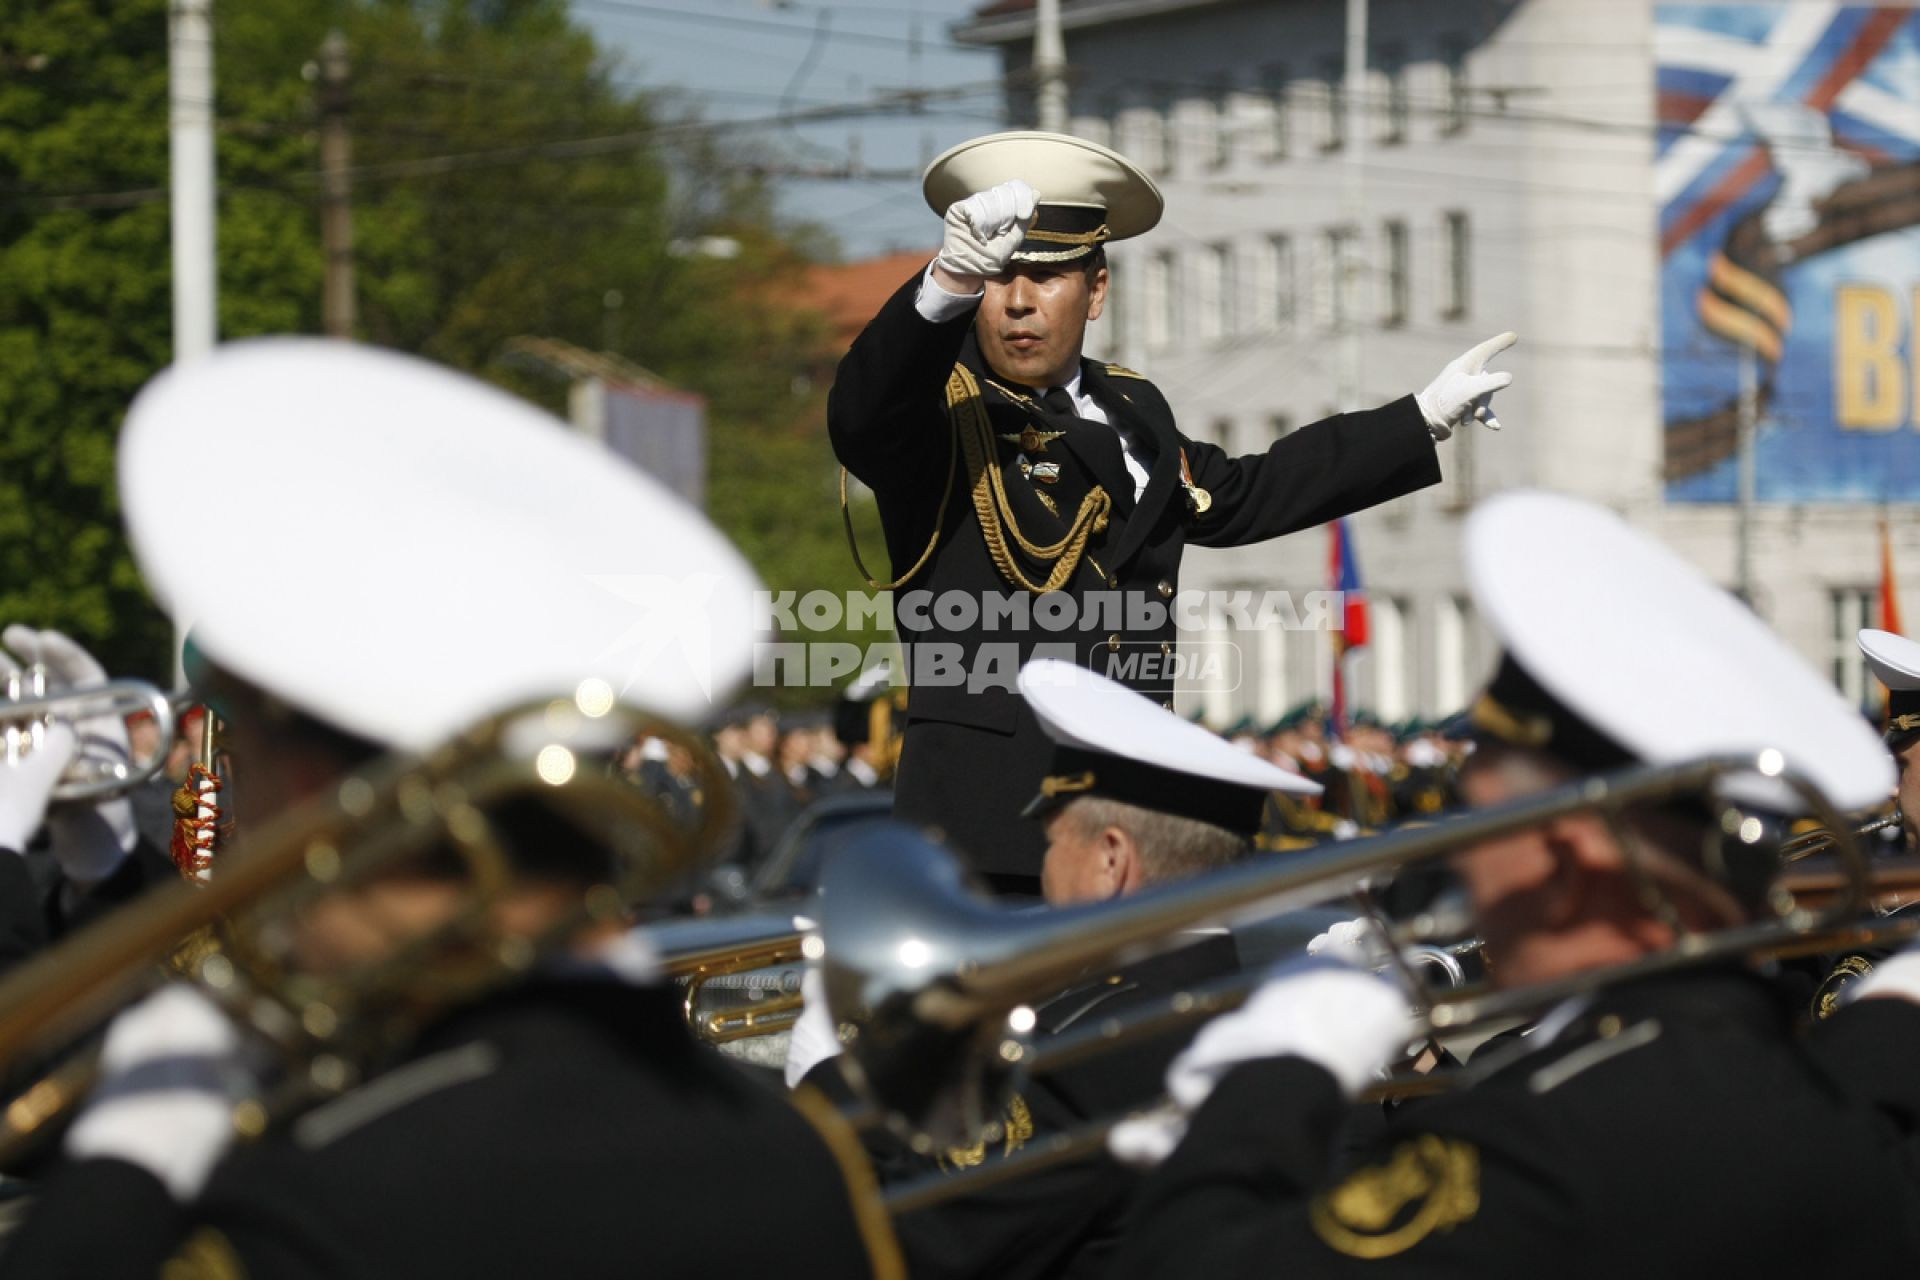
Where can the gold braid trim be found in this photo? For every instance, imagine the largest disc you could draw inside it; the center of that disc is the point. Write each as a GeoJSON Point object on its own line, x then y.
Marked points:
{"type": "Point", "coordinates": [1099, 235]}
{"type": "Point", "coordinates": [206, 1255]}
{"type": "Point", "coordinates": [863, 1188]}
{"type": "Point", "coordinates": [940, 519]}
{"type": "Point", "coordinates": [975, 434]}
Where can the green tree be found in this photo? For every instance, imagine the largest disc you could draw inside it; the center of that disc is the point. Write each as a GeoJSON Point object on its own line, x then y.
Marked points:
{"type": "Point", "coordinates": [504, 184]}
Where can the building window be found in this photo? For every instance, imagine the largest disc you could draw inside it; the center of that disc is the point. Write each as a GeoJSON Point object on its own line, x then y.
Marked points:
{"type": "Point", "coordinates": [1167, 109]}
{"type": "Point", "coordinates": [1146, 136]}
{"type": "Point", "coordinates": [1285, 289]}
{"type": "Point", "coordinates": [1395, 287]}
{"type": "Point", "coordinates": [1163, 291]}
{"type": "Point", "coordinates": [1452, 659]}
{"type": "Point", "coordinates": [1457, 287]}
{"type": "Point", "coordinates": [1333, 131]}
{"type": "Point", "coordinates": [1220, 141]}
{"type": "Point", "coordinates": [1853, 609]}
{"type": "Point", "coordinates": [1334, 279]}
{"type": "Point", "coordinates": [1223, 433]}
{"type": "Point", "coordinates": [1210, 293]}
{"type": "Point", "coordinates": [1274, 138]}
{"type": "Point", "coordinates": [1454, 85]}
{"type": "Point", "coordinates": [1393, 106]}
{"type": "Point", "coordinates": [1278, 425]}
{"type": "Point", "coordinates": [1388, 641]}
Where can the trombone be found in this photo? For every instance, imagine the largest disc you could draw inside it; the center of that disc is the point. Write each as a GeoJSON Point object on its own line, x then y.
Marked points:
{"type": "Point", "coordinates": [97, 770]}
{"type": "Point", "coordinates": [928, 984]}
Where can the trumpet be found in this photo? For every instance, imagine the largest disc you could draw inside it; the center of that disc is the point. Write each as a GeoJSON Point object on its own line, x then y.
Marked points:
{"type": "Point", "coordinates": [700, 954]}
{"type": "Point", "coordinates": [1820, 840]}
{"type": "Point", "coordinates": [928, 984]}
{"type": "Point", "coordinates": [98, 770]}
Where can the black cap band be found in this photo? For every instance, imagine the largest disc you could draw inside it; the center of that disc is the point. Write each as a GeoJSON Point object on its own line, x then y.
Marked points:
{"type": "Point", "coordinates": [1903, 716]}
{"type": "Point", "coordinates": [1517, 712]}
{"type": "Point", "coordinates": [1063, 233]}
{"type": "Point", "coordinates": [1079, 772]}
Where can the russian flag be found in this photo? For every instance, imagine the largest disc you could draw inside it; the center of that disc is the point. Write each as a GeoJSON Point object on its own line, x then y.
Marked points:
{"type": "Point", "coordinates": [1343, 571]}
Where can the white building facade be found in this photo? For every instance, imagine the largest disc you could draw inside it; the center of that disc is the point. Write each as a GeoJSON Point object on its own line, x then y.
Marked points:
{"type": "Point", "coordinates": [1507, 179]}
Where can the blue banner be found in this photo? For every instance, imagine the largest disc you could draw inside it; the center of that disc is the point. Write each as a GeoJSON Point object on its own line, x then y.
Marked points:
{"type": "Point", "coordinates": [1788, 185]}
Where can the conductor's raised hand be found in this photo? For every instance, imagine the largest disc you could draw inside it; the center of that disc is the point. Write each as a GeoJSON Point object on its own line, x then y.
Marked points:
{"type": "Point", "coordinates": [984, 230]}
{"type": "Point", "coordinates": [1464, 389]}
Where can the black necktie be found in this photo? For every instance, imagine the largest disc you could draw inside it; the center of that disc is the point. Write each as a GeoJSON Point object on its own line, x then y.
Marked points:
{"type": "Point", "coordinates": [1097, 443]}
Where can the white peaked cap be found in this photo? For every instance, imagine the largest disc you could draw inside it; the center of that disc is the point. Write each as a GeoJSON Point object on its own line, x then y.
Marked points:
{"type": "Point", "coordinates": [1085, 710]}
{"type": "Point", "coordinates": [401, 550]}
{"type": "Point", "coordinates": [1644, 648]}
{"type": "Point", "coordinates": [1895, 660]}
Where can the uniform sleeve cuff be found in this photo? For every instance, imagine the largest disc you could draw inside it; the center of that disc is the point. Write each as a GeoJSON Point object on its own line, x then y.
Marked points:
{"type": "Point", "coordinates": [936, 305]}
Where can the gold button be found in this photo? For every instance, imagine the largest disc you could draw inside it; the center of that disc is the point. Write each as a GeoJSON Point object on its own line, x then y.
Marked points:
{"type": "Point", "coordinates": [1165, 648]}
{"type": "Point", "coordinates": [1113, 643]}
{"type": "Point", "coordinates": [1113, 580]}
{"type": "Point", "coordinates": [1609, 1027]}
{"type": "Point", "coordinates": [1168, 704]}
{"type": "Point", "coordinates": [1165, 589]}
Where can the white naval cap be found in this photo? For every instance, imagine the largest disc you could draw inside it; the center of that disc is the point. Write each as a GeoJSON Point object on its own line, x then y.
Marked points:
{"type": "Point", "coordinates": [400, 550]}
{"type": "Point", "coordinates": [1895, 661]}
{"type": "Point", "coordinates": [1616, 650]}
{"type": "Point", "coordinates": [1089, 194]}
{"type": "Point", "coordinates": [1112, 742]}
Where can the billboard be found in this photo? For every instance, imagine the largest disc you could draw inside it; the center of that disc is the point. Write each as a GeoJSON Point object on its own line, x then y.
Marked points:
{"type": "Point", "coordinates": [1788, 178]}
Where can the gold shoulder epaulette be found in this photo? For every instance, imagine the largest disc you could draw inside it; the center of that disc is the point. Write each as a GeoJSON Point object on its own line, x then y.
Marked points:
{"type": "Point", "coordinates": [1121, 371]}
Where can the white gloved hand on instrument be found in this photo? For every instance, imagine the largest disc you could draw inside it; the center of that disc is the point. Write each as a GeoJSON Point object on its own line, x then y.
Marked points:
{"type": "Point", "coordinates": [985, 229]}
{"type": "Point", "coordinates": [88, 840]}
{"type": "Point", "coordinates": [1346, 1021]}
{"type": "Point", "coordinates": [1356, 942]}
{"type": "Point", "coordinates": [815, 1037]}
{"type": "Point", "coordinates": [26, 785]}
{"type": "Point", "coordinates": [1464, 389]}
{"type": "Point", "coordinates": [171, 1069]}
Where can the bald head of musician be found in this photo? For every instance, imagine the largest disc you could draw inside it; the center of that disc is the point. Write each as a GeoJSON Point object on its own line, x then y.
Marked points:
{"type": "Point", "coordinates": [1135, 795]}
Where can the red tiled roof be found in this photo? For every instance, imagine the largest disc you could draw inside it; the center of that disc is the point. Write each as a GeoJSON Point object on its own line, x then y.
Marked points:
{"type": "Point", "coordinates": [848, 294]}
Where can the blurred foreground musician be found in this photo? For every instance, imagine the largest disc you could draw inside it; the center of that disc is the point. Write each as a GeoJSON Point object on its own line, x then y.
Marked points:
{"type": "Point", "coordinates": [553, 1117]}
{"type": "Point", "coordinates": [1672, 1126]}
{"type": "Point", "coordinates": [1134, 796]}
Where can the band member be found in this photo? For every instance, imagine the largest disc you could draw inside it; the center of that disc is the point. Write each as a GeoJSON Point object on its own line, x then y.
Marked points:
{"type": "Point", "coordinates": [415, 552]}
{"type": "Point", "coordinates": [1133, 797]}
{"type": "Point", "coordinates": [1013, 476]}
{"type": "Point", "coordinates": [1670, 1125]}
{"type": "Point", "coordinates": [1895, 660]}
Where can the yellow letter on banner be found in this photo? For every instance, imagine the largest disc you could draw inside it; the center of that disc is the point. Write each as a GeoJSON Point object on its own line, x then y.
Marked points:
{"type": "Point", "coordinates": [1869, 380]}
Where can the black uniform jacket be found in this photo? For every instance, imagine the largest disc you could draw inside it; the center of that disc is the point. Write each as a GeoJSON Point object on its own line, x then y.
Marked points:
{"type": "Point", "coordinates": [567, 1129]}
{"type": "Point", "coordinates": [888, 418]}
{"type": "Point", "coordinates": [1675, 1129]}
{"type": "Point", "coordinates": [1062, 1221]}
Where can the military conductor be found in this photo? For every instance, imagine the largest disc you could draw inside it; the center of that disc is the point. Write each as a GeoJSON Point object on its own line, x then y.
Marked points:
{"type": "Point", "coordinates": [1033, 502]}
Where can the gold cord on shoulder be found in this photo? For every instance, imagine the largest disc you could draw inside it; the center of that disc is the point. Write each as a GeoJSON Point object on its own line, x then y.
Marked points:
{"type": "Point", "coordinates": [863, 1189]}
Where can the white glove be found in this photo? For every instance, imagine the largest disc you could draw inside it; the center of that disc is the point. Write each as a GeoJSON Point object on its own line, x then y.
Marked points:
{"type": "Point", "coordinates": [1465, 389]}
{"type": "Point", "coordinates": [88, 840]}
{"type": "Point", "coordinates": [815, 1036]}
{"type": "Point", "coordinates": [27, 784]}
{"type": "Point", "coordinates": [1349, 1022]}
{"type": "Point", "coordinates": [171, 1070]}
{"type": "Point", "coordinates": [1355, 942]}
{"type": "Point", "coordinates": [984, 229]}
